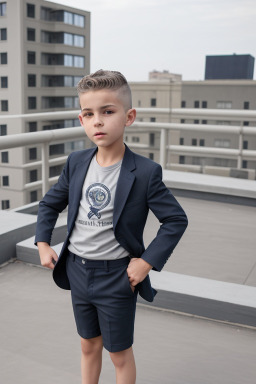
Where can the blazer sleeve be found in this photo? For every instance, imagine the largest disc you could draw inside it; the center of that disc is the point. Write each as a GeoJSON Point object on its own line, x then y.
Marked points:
{"type": "Point", "coordinates": [172, 218]}
{"type": "Point", "coordinates": [52, 204]}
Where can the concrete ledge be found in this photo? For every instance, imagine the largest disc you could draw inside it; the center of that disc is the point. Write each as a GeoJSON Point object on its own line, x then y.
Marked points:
{"type": "Point", "coordinates": [193, 295]}
{"type": "Point", "coordinates": [14, 227]}
{"type": "Point", "coordinates": [203, 297]}
{"type": "Point", "coordinates": [218, 188]}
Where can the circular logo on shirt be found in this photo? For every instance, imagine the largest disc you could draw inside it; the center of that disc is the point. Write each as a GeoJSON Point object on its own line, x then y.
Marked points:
{"type": "Point", "coordinates": [98, 197]}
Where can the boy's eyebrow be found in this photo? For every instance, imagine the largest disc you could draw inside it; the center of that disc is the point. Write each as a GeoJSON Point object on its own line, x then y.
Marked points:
{"type": "Point", "coordinates": [103, 107]}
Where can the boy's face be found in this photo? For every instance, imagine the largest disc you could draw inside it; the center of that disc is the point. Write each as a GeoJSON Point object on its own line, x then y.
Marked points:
{"type": "Point", "coordinates": [104, 117]}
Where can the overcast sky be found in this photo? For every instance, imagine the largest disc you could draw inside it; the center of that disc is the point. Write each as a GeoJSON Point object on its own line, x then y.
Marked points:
{"type": "Point", "coordinates": [138, 36]}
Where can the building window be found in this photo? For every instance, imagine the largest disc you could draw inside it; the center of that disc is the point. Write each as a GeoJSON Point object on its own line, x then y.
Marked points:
{"type": "Point", "coordinates": [5, 157]}
{"type": "Point", "coordinates": [244, 164]}
{"type": "Point", "coordinates": [32, 126]}
{"type": "Point", "coordinates": [181, 159]}
{"type": "Point", "coordinates": [5, 181]}
{"type": "Point", "coordinates": [33, 196]}
{"type": "Point", "coordinates": [139, 103]}
{"type": "Point", "coordinates": [3, 58]}
{"type": "Point", "coordinates": [181, 140]}
{"type": "Point", "coordinates": [31, 10]}
{"type": "Point", "coordinates": [57, 149]}
{"type": "Point", "coordinates": [32, 102]}
{"type": "Point", "coordinates": [3, 130]}
{"type": "Point", "coordinates": [182, 121]}
{"type": "Point", "coordinates": [224, 104]}
{"type": "Point", "coordinates": [4, 105]}
{"type": "Point", "coordinates": [5, 204]}
{"type": "Point", "coordinates": [183, 104]}
{"type": "Point", "coordinates": [246, 105]}
{"type": "Point", "coordinates": [245, 144]}
{"type": "Point", "coordinates": [153, 102]}
{"type": "Point", "coordinates": [196, 121]}
{"type": "Point", "coordinates": [151, 156]}
{"type": "Point", "coordinates": [204, 104]}
{"type": "Point", "coordinates": [201, 142]}
{"type": "Point", "coordinates": [194, 142]}
{"type": "Point", "coordinates": [3, 34]}
{"type": "Point", "coordinates": [32, 153]}
{"type": "Point", "coordinates": [151, 139]}
{"type": "Point", "coordinates": [246, 123]}
{"type": "Point", "coordinates": [56, 170]}
{"type": "Point", "coordinates": [4, 82]}
{"type": "Point", "coordinates": [135, 139]}
{"type": "Point", "coordinates": [31, 80]}
{"type": "Point", "coordinates": [3, 9]}
{"type": "Point", "coordinates": [33, 175]}
{"type": "Point", "coordinates": [196, 104]}
{"type": "Point", "coordinates": [31, 57]}
{"type": "Point", "coordinates": [152, 119]}
{"type": "Point", "coordinates": [31, 34]}
{"type": "Point", "coordinates": [223, 143]}
{"type": "Point", "coordinates": [204, 121]}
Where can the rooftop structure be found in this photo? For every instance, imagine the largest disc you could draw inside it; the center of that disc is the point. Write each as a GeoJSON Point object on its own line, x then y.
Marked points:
{"type": "Point", "coordinates": [229, 67]}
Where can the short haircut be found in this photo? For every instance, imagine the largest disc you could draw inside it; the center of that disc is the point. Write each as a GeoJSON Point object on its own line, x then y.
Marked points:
{"type": "Point", "coordinates": [111, 80]}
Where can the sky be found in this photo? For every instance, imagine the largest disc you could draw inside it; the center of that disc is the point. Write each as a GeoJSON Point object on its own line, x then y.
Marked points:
{"type": "Point", "coordinates": [139, 36]}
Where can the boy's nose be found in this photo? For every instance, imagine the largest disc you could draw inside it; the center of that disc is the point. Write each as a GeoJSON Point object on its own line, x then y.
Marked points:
{"type": "Point", "coordinates": [97, 121]}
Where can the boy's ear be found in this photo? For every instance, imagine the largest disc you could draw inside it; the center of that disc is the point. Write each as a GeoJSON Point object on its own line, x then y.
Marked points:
{"type": "Point", "coordinates": [80, 119]}
{"type": "Point", "coordinates": [130, 117]}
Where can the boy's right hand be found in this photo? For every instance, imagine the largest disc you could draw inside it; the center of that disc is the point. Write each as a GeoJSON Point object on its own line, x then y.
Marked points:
{"type": "Point", "coordinates": [47, 255]}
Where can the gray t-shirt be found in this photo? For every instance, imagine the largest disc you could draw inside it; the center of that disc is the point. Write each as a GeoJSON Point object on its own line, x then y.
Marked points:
{"type": "Point", "coordinates": [93, 235]}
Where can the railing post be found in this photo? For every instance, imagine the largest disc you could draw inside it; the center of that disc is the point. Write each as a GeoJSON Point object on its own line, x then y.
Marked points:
{"type": "Point", "coordinates": [162, 156]}
{"type": "Point", "coordinates": [240, 147]}
{"type": "Point", "coordinates": [45, 167]}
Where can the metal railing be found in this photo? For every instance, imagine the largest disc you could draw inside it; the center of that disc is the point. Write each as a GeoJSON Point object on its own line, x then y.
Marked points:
{"type": "Point", "coordinates": [46, 138]}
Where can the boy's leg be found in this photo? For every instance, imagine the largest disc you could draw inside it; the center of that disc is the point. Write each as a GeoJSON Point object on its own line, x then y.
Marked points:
{"type": "Point", "coordinates": [125, 366]}
{"type": "Point", "coordinates": [91, 359]}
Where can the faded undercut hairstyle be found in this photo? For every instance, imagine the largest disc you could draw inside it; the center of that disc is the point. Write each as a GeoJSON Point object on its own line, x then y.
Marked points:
{"type": "Point", "coordinates": [111, 80]}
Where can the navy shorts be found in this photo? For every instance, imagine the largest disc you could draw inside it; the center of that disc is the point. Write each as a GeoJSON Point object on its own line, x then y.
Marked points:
{"type": "Point", "coordinates": [103, 300]}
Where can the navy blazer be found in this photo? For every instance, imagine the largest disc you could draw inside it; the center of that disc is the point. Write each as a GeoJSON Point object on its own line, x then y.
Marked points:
{"type": "Point", "coordinates": [139, 188]}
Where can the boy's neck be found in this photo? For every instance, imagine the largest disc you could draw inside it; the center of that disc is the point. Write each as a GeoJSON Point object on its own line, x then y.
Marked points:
{"type": "Point", "coordinates": [106, 157]}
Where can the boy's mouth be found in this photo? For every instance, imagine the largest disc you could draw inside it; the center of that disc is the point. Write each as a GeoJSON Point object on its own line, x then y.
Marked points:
{"type": "Point", "coordinates": [99, 134]}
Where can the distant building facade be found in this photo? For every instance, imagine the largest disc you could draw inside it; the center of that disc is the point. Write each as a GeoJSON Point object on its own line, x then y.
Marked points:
{"type": "Point", "coordinates": [164, 75]}
{"type": "Point", "coordinates": [224, 67]}
{"type": "Point", "coordinates": [44, 52]}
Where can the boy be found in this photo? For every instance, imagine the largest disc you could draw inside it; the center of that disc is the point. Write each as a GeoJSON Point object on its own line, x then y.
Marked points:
{"type": "Point", "coordinates": [108, 190]}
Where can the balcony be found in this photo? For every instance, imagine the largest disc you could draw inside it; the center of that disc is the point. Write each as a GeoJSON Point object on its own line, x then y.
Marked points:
{"type": "Point", "coordinates": [211, 275]}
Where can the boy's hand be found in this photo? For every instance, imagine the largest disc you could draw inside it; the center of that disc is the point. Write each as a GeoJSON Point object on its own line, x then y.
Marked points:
{"type": "Point", "coordinates": [47, 255]}
{"type": "Point", "coordinates": [137, 270]}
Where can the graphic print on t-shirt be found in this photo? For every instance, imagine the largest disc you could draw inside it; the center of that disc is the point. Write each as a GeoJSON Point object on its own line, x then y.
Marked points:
{"type": "Point", "coordinates": [98, 197]}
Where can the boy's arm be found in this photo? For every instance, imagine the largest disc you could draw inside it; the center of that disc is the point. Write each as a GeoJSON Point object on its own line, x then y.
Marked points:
{"type": "Point", "coordinates": [54, 202]}
{"type": "Point", "coordinates": [173, 224]}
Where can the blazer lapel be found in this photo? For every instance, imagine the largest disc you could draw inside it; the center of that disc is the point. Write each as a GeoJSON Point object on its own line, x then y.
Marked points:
{"type": "Point", "coordinates": [124, 184]}
{"type": "Point", "coordinates": [80, 173]}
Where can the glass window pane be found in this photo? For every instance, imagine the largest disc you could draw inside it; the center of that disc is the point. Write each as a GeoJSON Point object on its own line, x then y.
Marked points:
{"type": "Point", "coordinates": [78, 41]}
{"type": "Point", "coordinates": [68, 17]}
{"type": "Point", "coordinates": [68, 60]}
{"type": "Point", "coordinates": [79, 61]}
{"type": "Point", "coordinates": [68, 39]}
{"type": "Point", "coordinates": [79, 20]}
{"type": "Point", "coordinates": [68, 81]}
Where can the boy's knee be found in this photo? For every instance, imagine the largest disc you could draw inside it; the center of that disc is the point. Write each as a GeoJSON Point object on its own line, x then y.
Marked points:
{"type": "Point", "coordinates": [91, 346]}
{"type": "Point", "coordinates": [120, 359]}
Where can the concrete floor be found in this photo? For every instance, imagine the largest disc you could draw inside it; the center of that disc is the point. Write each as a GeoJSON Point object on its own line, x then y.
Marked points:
{"type": "Point", "coordinates": [219, 243]}
{"type": "Point", "coordinates": [39, 344]}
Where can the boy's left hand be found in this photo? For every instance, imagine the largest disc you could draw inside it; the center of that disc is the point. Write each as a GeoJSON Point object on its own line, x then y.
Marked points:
{"type": "Point", "coordinates": [137, 270]}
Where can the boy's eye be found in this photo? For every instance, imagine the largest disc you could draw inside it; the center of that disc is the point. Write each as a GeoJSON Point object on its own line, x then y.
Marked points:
{"type": "Point", "coordinates": [108, 112]}
{"type": "Point", "coordinates": [87, 114]}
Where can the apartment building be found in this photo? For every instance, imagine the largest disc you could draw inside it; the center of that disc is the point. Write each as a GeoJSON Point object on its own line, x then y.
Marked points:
{"type": "Point", "coordinates": [212, 94]}
{"type": "Point", "coordinates": [218, 94]}
{"type": "Point", "coordinates": [44, 52]}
